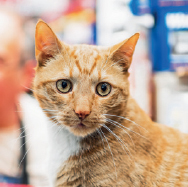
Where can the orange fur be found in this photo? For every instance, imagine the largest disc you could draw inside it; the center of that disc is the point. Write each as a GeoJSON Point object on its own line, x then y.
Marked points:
{"type": "Point", "coordinates": [120, 145]}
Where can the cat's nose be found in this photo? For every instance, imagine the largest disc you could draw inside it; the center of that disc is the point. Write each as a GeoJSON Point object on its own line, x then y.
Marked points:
{"type": "Point", "coordinates": [82, 114]}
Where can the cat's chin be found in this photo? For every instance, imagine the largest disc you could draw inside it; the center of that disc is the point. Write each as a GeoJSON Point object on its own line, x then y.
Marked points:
{"type": "Point", "coordinates": [82, 130]}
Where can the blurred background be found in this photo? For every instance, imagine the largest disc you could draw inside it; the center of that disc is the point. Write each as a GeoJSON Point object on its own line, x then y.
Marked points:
{"type": "Point", "coordinates": [159, 72]}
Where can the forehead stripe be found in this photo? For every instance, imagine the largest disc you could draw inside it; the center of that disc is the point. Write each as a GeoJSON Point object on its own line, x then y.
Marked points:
{"type": "Point", "coordinates": [78, 65]}
{"type": "Point", "coordinates": [70, 72]}
{"type": "Point", "coordinates": [92, 68]}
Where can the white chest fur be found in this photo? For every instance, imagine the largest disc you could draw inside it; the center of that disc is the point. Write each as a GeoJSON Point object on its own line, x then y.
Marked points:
{"type": "Point", "coordinates": [63, 145]}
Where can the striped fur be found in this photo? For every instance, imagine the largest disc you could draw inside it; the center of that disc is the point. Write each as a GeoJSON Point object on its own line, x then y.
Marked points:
{"type": "Point", "coordinates": [119, 145]}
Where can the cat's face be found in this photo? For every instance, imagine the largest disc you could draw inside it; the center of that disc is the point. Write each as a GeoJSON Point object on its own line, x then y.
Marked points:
{"type": "Point", "coordinates": [78, 84]}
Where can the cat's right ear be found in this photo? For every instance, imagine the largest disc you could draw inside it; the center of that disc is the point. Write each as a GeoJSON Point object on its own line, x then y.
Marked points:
{"type": "Point", "coordinates": [47, 44]}
{"type": "Point", "coordinates": [122, 53]}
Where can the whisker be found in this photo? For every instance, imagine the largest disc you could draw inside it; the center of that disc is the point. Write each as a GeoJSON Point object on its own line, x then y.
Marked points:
{"type": "Point", "coordinates": [110, 150]}
{"type": "Point", "coordinates": [44, 109]}
{"type": "Point", "coordinates": [24, 157]}
{"type": "Point", "coordinates": [47, 112]}
{"type": "Point", "coordinates": [53, 117]}
{"type": "Point", "coordinates": [19, 129]}
{"type": "Point", "coordinates": [106, 59]}
{"type": "Point", "coordinates": [26, 147]}
{"type": "Point", "coordinates": [119, 140]}
{"type": "Point", "coordinates": [29, 88]}
{"type": "Point", "coordinates": [28, 139]}
{"type": "Point", "coordinates": [126, 119]}
{"type": "Point", "coordinates": [59, 50]}
{"type": "Point", "coordinates": [102, 140]}
{"type": "Point", "coordinates": [24, 131]}
{"type": "Point", "coordinates": [113, 64]}
{"type": "Point", "coordinates": [20, 137]}
{"type": "Point", "coordinates": [112, 122]}
{"type": "Point", "coordinates": [127, 128]}
{"type": "Point", "coordinates": [25, 142]}
{"type": "Point", "coordinates": [59, 128]}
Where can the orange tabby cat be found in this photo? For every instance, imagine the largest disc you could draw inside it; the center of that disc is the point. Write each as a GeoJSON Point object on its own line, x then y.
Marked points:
{"type": "Point", "coordinates": [104, 138]}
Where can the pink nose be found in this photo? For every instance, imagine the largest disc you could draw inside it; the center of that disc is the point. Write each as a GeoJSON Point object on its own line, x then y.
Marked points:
{"type": "Point", "coordinates": [82, 114]}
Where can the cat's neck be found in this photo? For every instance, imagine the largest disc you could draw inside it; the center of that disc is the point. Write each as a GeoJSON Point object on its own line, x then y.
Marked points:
{"type": "Point", "coordinates": [136, 122]}
{"type": "Point", "coordinates": [134, 113]}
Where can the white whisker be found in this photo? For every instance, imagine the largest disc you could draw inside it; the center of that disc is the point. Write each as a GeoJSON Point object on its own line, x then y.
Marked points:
{"type": "Point", "coordinates": [48, 112]}
{"type": "Point", "coordinates": [24, 156]}
{"type": "Point", "coordinates": [127, 128]}
{"type": "Point", "coordinates": [53, 117]}
{"type": "Point", "coordinates": [125, 119]}
{"type": "Point", "coordinates": [21, 133]}
{"type": "Point", "coordinates": [28, 139]}
{"type": "Point", "coordinates": [101, 139]}
{"type": "Point", "coordinates": [120, 141]}
{"type": "Point", "coordinates": [24, 131]}
{"type": "Point", "coordinates": [110, 150]}
{"type": "Point", "coordinates": [20, 137]}
{"type": "Point", "coordinates": [112, 122]}
{"type": "Point", "coordinates": [106, 59]}
{"type": "Point", "coordinates": [25, 143]}
{"type": "Point", "coordinates": [28, 88]}
{"type": "Point", "coordinates": [113, 64]}
{"type": "Point", "coordinates": [58, 129]}
{"type": "Point", "coordinates": [44, 109]}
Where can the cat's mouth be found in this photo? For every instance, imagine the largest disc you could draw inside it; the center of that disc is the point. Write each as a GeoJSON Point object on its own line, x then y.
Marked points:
{"type": "Point", "coordinates": [80, 125]}
{"type": "Point", "coordinates": [82, 128]}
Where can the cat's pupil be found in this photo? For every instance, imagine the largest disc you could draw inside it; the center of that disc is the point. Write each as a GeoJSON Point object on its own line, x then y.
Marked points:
{"type": "Point", "coordinates": [103, 87]}
{"type": "Point", "coordinates": [64, 84]}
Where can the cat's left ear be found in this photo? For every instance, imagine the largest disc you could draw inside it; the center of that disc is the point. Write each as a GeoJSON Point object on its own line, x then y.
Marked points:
{"type": "Point", "coordinates": [47, 44]}
{"type": "Point", "coordinates": [122, 53]}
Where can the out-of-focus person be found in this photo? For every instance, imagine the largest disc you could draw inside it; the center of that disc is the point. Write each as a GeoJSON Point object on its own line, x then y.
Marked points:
{"type": "Point", "coordinates": [23, 132]}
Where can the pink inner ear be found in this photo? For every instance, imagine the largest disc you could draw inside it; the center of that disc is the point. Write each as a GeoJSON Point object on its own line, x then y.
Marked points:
{"type": "Point", "coordinates": [127, 50]}
{"type": "Point", "coordinates": [126, 47]}
{"type": "Point", "coordinates": [123, 52]}
{"type": "Point", "coordinates": [44, 37]}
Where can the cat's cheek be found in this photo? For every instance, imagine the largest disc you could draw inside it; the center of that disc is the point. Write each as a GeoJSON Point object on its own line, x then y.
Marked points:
{"type": "Point", "coordinates": [63, 100]}
{"type": "Point", "coordinates": [99, 105]}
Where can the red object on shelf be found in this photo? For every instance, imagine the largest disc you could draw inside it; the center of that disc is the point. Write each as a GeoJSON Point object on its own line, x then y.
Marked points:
{"type": "Point", "coordinates": [13, 185]}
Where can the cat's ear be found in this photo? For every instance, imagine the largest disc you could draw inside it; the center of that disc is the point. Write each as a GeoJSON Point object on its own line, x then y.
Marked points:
{"type": "Point", "coordinates": [47, 44]}
{"type": "Point", "coordinates": [122, 53]}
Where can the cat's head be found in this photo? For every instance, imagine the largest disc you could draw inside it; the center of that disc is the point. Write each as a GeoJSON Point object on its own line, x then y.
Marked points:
{"type": "Point", "coordinates": [77, 85]}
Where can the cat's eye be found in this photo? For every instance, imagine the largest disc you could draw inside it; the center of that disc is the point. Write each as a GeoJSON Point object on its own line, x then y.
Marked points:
{"type": "Point", "coordinates": [64, 86]}
{"type": "Point", "coordinates": [103, 89]}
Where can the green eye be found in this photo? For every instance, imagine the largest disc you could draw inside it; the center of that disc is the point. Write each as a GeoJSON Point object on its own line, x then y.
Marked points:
{"type": "Point", "coordinates": [64, 86]}
{"type": "Point", "coordinates": [103, 89]}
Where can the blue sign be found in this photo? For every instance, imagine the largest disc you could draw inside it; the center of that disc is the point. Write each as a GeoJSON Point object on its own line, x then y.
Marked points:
{"type": "Point", "coordinates": [140, 7]}
{"type": "Point", "coordinates": [169, 36]}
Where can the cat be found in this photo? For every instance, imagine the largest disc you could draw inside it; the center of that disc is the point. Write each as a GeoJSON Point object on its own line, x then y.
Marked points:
{"type": "Point", "coordinates": [103, 138]}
